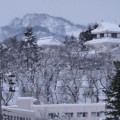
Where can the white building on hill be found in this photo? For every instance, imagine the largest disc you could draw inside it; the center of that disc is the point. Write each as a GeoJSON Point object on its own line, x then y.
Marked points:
{"type": "Point", "coordinates": [48, 41]}
{"type": "Point", "coordinates": [106, 35]}
{"type": "Point", "coordinates": [26, 110]}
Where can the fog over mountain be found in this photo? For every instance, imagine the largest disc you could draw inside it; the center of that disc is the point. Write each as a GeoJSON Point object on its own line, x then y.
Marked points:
{"type": "Point", "coordinates": [42, 24]}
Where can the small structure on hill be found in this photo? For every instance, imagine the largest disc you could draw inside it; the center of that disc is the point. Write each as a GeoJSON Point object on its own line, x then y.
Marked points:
{"type": "Point", "coordinates": [106, 35]}
{"type": "Point", "coordinates": [105, 29]}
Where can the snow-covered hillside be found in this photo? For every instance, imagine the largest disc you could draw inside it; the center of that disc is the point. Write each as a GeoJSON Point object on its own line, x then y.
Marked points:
{"type": "Point", "coordinates": [43, 25]}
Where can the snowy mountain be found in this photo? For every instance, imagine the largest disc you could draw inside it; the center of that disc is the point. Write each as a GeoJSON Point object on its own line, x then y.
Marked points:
{"type": "Point", "coordinates": [42, 24]}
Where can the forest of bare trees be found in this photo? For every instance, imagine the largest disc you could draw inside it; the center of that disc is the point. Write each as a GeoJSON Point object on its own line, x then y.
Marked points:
{"type": "Point", "coordinates": [69, 73]}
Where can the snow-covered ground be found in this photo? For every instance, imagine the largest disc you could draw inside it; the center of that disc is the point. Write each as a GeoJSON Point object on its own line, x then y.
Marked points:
{"type": "Point", "coordinates": [103, 43]}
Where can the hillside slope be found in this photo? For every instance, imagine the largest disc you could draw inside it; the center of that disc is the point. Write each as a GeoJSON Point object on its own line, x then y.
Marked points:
{"type": "Point", "coordinates": [42, 24]}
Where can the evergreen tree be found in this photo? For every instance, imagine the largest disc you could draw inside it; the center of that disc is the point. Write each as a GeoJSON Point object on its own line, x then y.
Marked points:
{"type": "Point", "coordinates": [29, 59]}
{"type": "Point", "coordinates": [29, 49]}
{"type": "Point", "coordinates": [87, 35]}
{"type": "Point", "coordinates": [113, 95]}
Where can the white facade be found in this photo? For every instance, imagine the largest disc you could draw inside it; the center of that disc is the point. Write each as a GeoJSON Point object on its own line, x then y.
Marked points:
{"type": "Point", "coordinates": [77, 111]}
{"type": "Point", "coordinates": [118, 35]}
{"type": "Point", "coordinates": [87, 111]}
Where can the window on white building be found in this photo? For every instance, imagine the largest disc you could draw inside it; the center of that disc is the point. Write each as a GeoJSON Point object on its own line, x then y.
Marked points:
{"type": "Point", "coordinates": [82, 114]}
{"type": "Point", "coordinates": [85, 114]}
{"type": "Point", "coordinates": [20, 118]}
{"type": "Point", "coordinates": [29, 118]}
{"type": "Point", "coordinates": [101, 35]}
{"type": "Point", "coordinates": [23, 118]}
{"type": "Point", "coordinates": [95, 114]}
{"type": "Point", "coordinates": [95, 35]}
{"type": "Point", "coordinates": [14, 117]}
{"type": "Point", "coordinates": [79, 114]}
{"type": "Point", "coordinates": [114, 35]}
{"type": "Point", "coordinates": [69, 114]}
{"type": "Point", "coordinates": [17, 118]}
{"type": "Point", "coordinates": [53, 115]}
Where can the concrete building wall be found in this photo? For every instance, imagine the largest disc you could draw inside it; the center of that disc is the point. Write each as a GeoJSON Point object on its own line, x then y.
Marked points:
{"type": "Point", "coordinates": [24, 103]}
{"type": "Point", "coordinates": [84, 110]}
{"type": "Point", "coordinates": [64, 109]}
{"type": "Point", "coordinates": [105, 35]}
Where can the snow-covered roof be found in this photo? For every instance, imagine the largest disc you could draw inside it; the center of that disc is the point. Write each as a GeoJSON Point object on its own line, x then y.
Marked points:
{"type": "Point", "coordinates": [48, 41]}
{"type": "Point", "coordinates": [70, 105]}
{"type": "Point", "coordinates": [103, 42]}
{"type": "Point", "coordinates": [25, 98]}
{"type": "Point", "coordinates": [106, 27]}
{"type": "Point", "coordinates": [16, 108]}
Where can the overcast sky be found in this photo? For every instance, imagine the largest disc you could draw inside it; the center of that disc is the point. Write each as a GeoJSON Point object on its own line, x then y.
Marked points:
{"type": "Point", "coordinates": [77, 11]}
